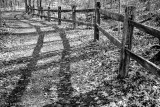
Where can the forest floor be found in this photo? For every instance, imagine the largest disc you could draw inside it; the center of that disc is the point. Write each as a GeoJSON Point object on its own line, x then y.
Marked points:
{"type": "Point", "coordinates": [88, 69]}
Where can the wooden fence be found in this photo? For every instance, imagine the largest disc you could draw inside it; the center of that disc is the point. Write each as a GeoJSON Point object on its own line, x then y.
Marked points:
{"type": "Point", "coordinates": [59, 11]}
{"type": "Point", "coordinates": [125, 45]}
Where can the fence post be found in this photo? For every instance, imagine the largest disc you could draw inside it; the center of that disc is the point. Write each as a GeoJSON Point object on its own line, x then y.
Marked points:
{"type": "Point", "coordinates": [59, 15]}
{"type": "Point", "coordinates": [26, 6]}
{"type": "Point", "coordinates": [41, 9]}
{"type": "Point", "coordinates": [28, 9]}
{"type": "Point", "coordinates": [49, 14]}
{"type": "Point", "coordinates": [33, 9]}
{"type": "Point", "coordinates": [126, 41]}
{"type": "Point", "coordinates": [74, 16]}
{"type": "Point", "coordinates": [40, 12]}
{"type": "Point", "coordinates": [96, 21]}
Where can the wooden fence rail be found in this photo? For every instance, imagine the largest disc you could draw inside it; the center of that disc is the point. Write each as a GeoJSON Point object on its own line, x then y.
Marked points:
{"type": "Point", "coordinates": [115, 41]}
{"type": "Point", "coordinates": [119, 17]}
{"type": "Point", "coordinates": [113, 16]}
{"type": "Point", "coordinates": [152, 31]}
{"type": "Point", "coordinates": [66, 10]}
{"type": "Point", "coordinates": [145, 63]}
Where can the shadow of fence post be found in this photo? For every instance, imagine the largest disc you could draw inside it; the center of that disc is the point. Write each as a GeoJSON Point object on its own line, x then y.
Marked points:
{"type": "Point", "coordinates": [64, 88]}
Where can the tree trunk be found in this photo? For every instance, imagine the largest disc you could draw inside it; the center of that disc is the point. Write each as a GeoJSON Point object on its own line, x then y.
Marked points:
{"type": "Point", "coordinates": [111, 4]}
{"type": "Point", "coordinates": [37, 4]}
{"type": "Point", "coordinates": [6, 4]}
{"type": "Point", "coordinates": [33, 3]}
{"type": "Point", "coordinates": [0, 18]}
{"type": "Point", "coordinates": [29, 1]}
{"type": "Point", "coordinates": [40, 3]}
{"type": "Point", "coordinates": [148, 6]}
{"type": "Point", "coordinates": [0, 14]}
{"type": "Point", "coordinates": [26, 5]}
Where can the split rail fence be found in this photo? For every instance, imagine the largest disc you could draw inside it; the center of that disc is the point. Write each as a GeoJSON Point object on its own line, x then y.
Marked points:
{"type": "Point", "coordinates": [46, 13]}
{"type": "Point", "coordinates": [125, 45]}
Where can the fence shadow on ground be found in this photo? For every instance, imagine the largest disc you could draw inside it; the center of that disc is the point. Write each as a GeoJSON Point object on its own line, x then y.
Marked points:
{"type": "Point", "coordinates": [17, 92]}
{"type": "Point", "coordinates": [64, 88]}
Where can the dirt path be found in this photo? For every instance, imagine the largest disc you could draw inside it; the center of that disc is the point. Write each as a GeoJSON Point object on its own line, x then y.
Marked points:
{"type": "Point", "coordinates": [24, 80]}
{"type": "Point", "coordinates": [37, 87]}
{"type": "Point", "coordinates": [64, 87]}
{"type": "Point", "coordinates": [22, 44]}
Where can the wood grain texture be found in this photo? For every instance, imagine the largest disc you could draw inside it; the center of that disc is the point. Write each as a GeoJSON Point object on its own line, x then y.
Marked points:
{"type": "Point", "coordinates": [145, 63]}
{"type": "Point", "coordinates": [114, 16]}
{"type": "Point", "coordinates": [113, 40]}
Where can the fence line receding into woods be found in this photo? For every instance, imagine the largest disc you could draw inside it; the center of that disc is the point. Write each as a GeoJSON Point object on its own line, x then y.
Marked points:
{"type": "Point", "coordinates": [125, 45]}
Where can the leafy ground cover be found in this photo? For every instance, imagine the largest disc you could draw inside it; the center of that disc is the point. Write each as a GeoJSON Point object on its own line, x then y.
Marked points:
{"type": "Point", "coordinates": [93, 68]}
